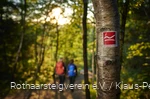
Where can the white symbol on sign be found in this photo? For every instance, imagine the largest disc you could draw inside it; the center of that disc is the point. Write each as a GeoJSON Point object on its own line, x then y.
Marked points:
{"type": "Point", "coordinates": [111, 38]}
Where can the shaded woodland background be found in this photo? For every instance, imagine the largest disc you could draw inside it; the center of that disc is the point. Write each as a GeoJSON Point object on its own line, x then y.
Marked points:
{"type": "Point", "coordinates": [32, 40]}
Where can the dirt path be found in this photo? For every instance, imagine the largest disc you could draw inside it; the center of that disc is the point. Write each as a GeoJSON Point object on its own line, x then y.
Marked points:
{"type": "Point", "coordinates": [67, 94]}
{"type": "Point", "coordinates": [54, 94]}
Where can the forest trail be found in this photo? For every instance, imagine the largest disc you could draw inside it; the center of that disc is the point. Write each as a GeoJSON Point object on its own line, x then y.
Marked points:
{"type": "Point", "coordinates": [55, 94]}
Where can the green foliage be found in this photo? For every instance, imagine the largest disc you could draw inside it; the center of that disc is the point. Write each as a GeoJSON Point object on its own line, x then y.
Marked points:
{"type": "Point", "coordinates": [131, 77]}
{"type": "Point", "coordinates": [135, 71]}
{"type": "Point", "coordinates": [39, 35]}
{"type": "Point", "coordinates": [139, 49]}
{"type": "Point", "coordinates": [9, 34]}
{"type": "Point", "coordinates": [136, 53]}
{"type": "Point", "coordinates": [92, 92]}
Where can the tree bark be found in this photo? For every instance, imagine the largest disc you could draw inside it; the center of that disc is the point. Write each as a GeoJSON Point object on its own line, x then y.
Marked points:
{"type": "Point", "coordinates": [87, 92]}
{"type": "Point", "coordinates": [108, 63]}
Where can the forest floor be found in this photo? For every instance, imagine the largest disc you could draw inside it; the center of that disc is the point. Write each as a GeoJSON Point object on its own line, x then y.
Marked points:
{"type": "Point", "coordinates": [54, 94]}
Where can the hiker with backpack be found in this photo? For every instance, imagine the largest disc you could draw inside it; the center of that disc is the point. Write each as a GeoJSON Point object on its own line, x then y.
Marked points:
{"type": "Point", "coordinates": [60, 70]}
{"type": "Point", "coordinates": [72, 72]}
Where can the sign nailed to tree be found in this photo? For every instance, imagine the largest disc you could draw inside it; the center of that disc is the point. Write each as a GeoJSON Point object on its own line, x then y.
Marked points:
{"type": "Point", "coordinates": [109, 38]}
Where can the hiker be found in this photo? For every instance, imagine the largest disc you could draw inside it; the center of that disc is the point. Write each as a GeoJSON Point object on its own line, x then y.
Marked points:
{"type": "Point", "coordinates": [60, 71]}
{"type": "Point", "coordinates": [72, 72]}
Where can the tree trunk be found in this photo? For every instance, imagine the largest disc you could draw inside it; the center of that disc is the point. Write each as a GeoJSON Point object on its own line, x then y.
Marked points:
{"type": "Point", "coordinates": [108, 63]}
{"type": "Point", "coordinates": [57, 41]}
{"type": "Point", "coordinates": [23, 27]}
{"type": "Point", "coordinates": [87, 92]}
{"type": "Point", "coordinates": [124, 12]}
{"type": "Point", "coordinates": [93, 57]}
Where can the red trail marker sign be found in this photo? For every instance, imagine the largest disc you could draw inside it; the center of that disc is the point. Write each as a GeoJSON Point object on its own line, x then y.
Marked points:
{"type": "Point", "coordinates": [109, 38]}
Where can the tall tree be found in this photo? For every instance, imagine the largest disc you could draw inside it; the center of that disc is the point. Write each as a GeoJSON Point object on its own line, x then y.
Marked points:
{"type": "Point", "coordinates": [85, 2]}
{"type": "Point", "coordinates": [108, 65]}
{"type": "Point", "coordinates": [124, 13]}
{"type": "Point", "coordinates": [23, 16]}
{"type": "Point", "coordinates": [57, 41]}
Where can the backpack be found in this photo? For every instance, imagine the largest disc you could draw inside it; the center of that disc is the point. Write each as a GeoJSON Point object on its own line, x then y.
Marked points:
{"type": "Point", "coordinates": [71, 70]}
{"type": "Point", "coordinates": [59, 68]}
